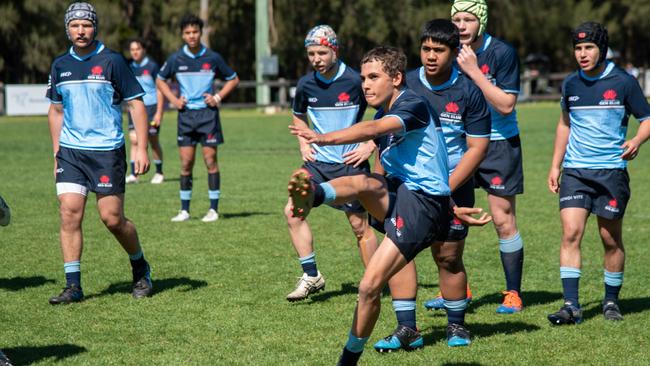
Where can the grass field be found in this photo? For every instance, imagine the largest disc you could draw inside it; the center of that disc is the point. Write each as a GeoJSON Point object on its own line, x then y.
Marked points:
{"type": "Point", "coordinates": [220, 287]}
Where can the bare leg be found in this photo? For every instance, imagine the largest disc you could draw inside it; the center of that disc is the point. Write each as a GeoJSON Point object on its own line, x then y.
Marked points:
{"type": "Point", "coordinates": [72, 207]}
{"type": "Point", "coordinates": [111, 211]}
{"type": "Point", "coordinates": [366, 238]}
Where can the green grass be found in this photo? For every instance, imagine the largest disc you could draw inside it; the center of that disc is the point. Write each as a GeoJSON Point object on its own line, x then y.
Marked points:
{"type": "Point", "coordinates": [221, 287]}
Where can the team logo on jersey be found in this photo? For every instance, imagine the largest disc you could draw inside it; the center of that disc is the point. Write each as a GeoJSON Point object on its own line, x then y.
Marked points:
{"type": "Point", "coordinates": [211, 139]}
{"type": "Point", "coordinates": [96, 73]}
{"type": "Point", "coordinates": [456, 224]}
{"type": "Point", "coordinates": [182, 68]}
{"type": "Point", "coordinates": [485, 69]}
{"type": "Point", "coordinates": [145, 72]}
{"type": "Point", "coordinates": [497, 183]}
{"type": "Point", "coordinates": [574, 98]}
{"type": "Point", "coordinates": [65, 74]}
{"type": "Point", "coordinates": [612, 206]}
{"type": "Point", "coordinates": [609, 98]}
{"type": "Point", "coordinates": [398, 222]}
{"type": "Point", "coordinates": [343, 100]}
{"type": "Point", "coordinates": [104, 182]}
{"type": "Point", "coordinates": [451, 115]}
{"type": "Point", "coordinates": [312, 100]}
{"type": "Point", "coordinates": [205, 67]}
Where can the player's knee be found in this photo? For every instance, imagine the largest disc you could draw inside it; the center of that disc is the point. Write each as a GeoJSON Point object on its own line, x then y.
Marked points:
{"type": "Point", "coordinates": [113, 222]}
{"type": "Point", "coordinates": [359, 227]}
{"type": "Point", "coordinates": [288, 213]}
{"type": "Point", "coordinates": [571, 234]}
{"type": "Point", "coordinates": [449, 262]}
{"type": "Point", "coordinates": [505, 225]}
{"type": "Point", "coordinates": [70, 218]}
{"type": "Point", "coordinates": [369, 289]}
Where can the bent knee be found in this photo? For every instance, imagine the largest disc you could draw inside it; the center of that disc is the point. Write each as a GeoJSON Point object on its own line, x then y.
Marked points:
{"type": "Point", "coordinates": [449, 263]}
{"type": "Point", "coordinates": [369, 289]}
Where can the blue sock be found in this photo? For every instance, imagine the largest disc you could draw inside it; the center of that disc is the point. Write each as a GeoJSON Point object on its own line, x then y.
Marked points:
{"type": "Point", "coordinates": [455, 311]}
{"type": "Point", "coordinates": [571, 284]}
{"type": "Point", "coordinates": [158, 164]}
{"type": "Point", "coordinates": [214, 186]}
{"type": "Point", "coordinates": [138, 263]}
{"type": "Point", "coordinates": [405, 312]}
{"type": "Point", "coordinates": [132, 163]}
{"type": "Point", "coordinates": [323, 193]}
{"type": "Point", "coordinates": [186, 192]}
{"type": "Point", "coordinates": [355, 345]}
{"type": "Point", "coordinates": [308, 264]}
{"type": "Point", "coordinates": [613, 284]}
{"type": "Point", "coordinates": [72, 273]}
{"type": "Point", "coordinates": [512, 258]}
{"type": "Point", "coordinates": [349, 358]}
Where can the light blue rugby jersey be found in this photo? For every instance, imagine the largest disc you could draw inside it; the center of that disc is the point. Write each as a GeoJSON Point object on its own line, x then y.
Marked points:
{"type": "Point", "coordinates": [146, 72]}
{"type": "Point", "coordinates": [331, 105]}
{"type": "Point", "coordinates": [196, 73]}
{"type": "Point", "coordinates": [91, 89]}
{"type": "Point", "coordinates": [499, 62]}
{"type": "Point", "coordinates": [599, 109]}
{"type": "Point", "coordinates": [417, 155]}
{"type": "Point", "coordinates": [460, 107]}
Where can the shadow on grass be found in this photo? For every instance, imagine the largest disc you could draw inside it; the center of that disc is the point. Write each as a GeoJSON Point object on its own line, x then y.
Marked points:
{"type": "Point", "coordinates": [30, 355]}
{"type": "Point", "coordinates": [20, 283]}
{"type": "Point", "coordinates": [627, 306]}
{"type": "Point", "coordinates": [530, 298]}
{"type": "Point", "coordinates": [482, 330]}
{"type": "Point", "coordinates": [236, 215]}
{"type": "Point", "coordinates": [346, 289]}
{"type": "Point", "coordinates": [462, 364]}
{"type": "Point", "coordinates": [159, 285]}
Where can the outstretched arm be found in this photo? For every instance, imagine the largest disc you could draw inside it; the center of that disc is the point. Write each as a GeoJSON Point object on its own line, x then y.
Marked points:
{"type": "Point", "coordinates": [359, 132]}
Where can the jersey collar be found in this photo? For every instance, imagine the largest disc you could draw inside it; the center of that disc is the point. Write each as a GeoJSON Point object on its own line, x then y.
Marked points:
{"type": "Point", "coordinates": [98, 48]}
{"type": "Point", "coordinates": [608, 69]}
{"type": "Point", "coordinates": [452, 80]}
{"type": "Point", "coordinates": [144, 62]}
{"type": "Point", "coordinates": [487, 39]}
{"type": "Point", "coordinates": [187, 51]}
{"type": "Point", "coordinates": [339, 73]}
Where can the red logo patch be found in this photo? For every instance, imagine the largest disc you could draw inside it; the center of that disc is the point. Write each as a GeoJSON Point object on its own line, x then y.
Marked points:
{"type": "Point", "coordinates": [344, 97]}
{"type": "Point", "coordinates": [145, 72]}
{"type": "Point", "coordinates": [613, 202]}
{"type": "Point", "coordinates": [452, 107]}
{"type": "Point", "coordinates": [497, 181]}
{"type": "Point", "coordinates": [610, 94]}
{"type": "Point", "coordinates": [399, 223]}
{"type": "Point", "coordinates": [582, 35]}
{"type": "Point", "coordinates": [456, 221]}
{"type": "Point", "coordinates": [96, 70]}
{"type": "Point", "coordinates": [104, 179]}
{"type": "Point", "coordinates": [205, 66]}
{"type": "Point", "coordinates": [210, 136]}
{"type": "Point", "coordinates": [485, 69]}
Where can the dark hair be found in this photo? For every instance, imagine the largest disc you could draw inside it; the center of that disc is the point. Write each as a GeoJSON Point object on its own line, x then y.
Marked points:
{"type": "Point", "coordinates": [441, 31]}
{"type": "Point", "coordinates": [137, 40]}
{"type": "Point", "coordinates": [393, 58]}
{"type": "Point", "coordinates": [191, 19]}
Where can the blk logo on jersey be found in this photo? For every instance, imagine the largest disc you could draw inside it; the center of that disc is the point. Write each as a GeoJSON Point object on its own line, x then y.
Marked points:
{"type": "Point", "coordinates": [456, 224]}
{"type": "Point", "coordinates": [451, 115]}
{"type": "Point", "coordinates": [609, 98]}
{"type": "Point", "coordinates": [145, 72]}
{"type": "Point", "coordinates": [398, 222]}
{"type": "Point", "coordinates": [205, 67]}
{"type": "Point", "coordinates": [104, 182]}
{"type": "Point", "coordinates": [485, 69]}
{"type": "Point", "coordinates": [343, 100]}
{"type": "Point", "coordinates": [497, 183]}
{"type": "Point", "coordinates": [96, 73]}
{"type": "Point", "coordinates": [612, 206]}
{"type": "Point", "coordinates": [211, 139]}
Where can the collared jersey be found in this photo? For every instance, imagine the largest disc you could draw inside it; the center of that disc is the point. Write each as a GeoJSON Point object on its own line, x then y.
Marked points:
{"type": "Point", "coordinates": [499, 62]}
{"type": "Point", "coordinates": [460, 107]}
{"type": "Point", "coordinates": [331, 105]}
{"type": "Point", "coordinates": [417, 155]}
{"type": "Point", "coordinates": [196, 73]}
{"type": "Point", "coordinates": [146, 72]}
{"type": "Point", "coordinates": [599, 109]}
{"type": "Point", "coordinates": [91, 89]}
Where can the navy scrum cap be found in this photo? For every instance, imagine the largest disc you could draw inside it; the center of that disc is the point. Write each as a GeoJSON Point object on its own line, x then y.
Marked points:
{"type": "Point", "coordinates": [595, 33]}
{"type": "Point", "coordinates": [80, 11]}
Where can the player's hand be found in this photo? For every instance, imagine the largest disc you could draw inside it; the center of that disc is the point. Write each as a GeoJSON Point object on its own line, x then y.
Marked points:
{"type": "Point", "coordinates": [308, 153]}
{"type": "Point", "coordinates": [631, 148]}
{"type": "Point", "coordinates": [306, 133]}
{"type": "Point", "coordinates": [180, 103]}
{"type": "Point", "coordinates": [467, 60]}
{"type": "Point", "coordinates": [210, 100]}
{"type": "Point", "coordinates": [554, 179]}
{"type": "Point", "coordinates": [156, 120]}
{"type": "Point", "coordinates": [466, 216]}
{"type": "Point", "coordinates": [141, 161]}
{"type": "Point", "coordinates": [357, 156]}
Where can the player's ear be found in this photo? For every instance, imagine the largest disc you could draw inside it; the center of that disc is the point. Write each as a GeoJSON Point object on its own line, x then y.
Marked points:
{"type": "Point", "coordinates": [398, 79]}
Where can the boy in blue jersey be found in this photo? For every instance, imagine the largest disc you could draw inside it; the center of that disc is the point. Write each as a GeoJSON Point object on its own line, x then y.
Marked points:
{"type": "Point", "coordinates": [465, 120]}
{"type": "Point", "coordinates": [331, 98]}
{"type": "Point", "coordinates": [146, 70]}
{"type": "Point", "coordinates": [411, 199]}
{"type": "Point", "coordinates": [86, 88]}
{"type": "Point", "coordinates": [493, 66]}
{"type": "Point", "coordinates": [591, 155]}
{"type": "Point", "coordinates": [195, 67]}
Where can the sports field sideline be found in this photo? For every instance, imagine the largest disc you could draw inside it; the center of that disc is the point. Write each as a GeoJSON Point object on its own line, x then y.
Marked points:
{"type": "Point", "coordinates": [220, 288]}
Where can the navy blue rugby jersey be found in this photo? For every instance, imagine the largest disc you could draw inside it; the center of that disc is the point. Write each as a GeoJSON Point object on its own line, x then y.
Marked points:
{"type": "Point", "coordinates": [146, 72]}
{"type": "Point", "coordinates": [416, 155]}
{"type": "Point", "coordinates": [499, 62]}
{"type": "Point", "coordinates": [331, 105]}
{"type": "Point", "coordinates": [196, 73]}
{"type": "Point", "coordinates": [460, 107]}
{"type": "Point", "coordinates": [91, 89]}
{"type": "Point", "coordinates": [599, 109]}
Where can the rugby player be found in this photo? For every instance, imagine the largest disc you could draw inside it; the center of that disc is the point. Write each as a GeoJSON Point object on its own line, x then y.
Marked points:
{"type": "Point", "coordinates": [330, 98]}
{"type": "Point", "coordinates": [195, 67]}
